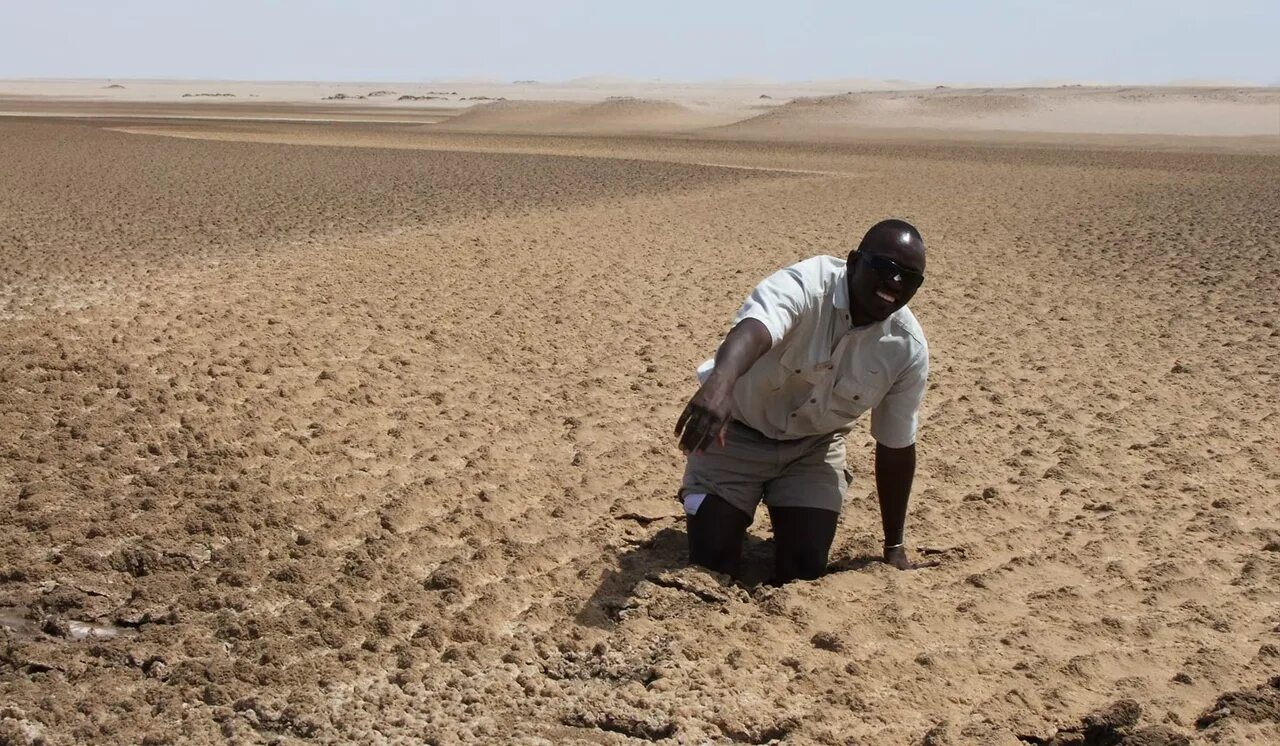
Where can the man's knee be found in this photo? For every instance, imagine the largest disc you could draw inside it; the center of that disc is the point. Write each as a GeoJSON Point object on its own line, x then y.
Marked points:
{"type": "Point", "coordinates": [802, 540]}
{"type": "Point", "coordinates": [716, 534]}
{"type": "Point", "coordinates": [808, 563]}
{"type": "Point", "coordinates": [720, 555]}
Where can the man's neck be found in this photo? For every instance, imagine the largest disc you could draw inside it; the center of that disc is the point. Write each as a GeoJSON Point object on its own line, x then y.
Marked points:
{"type": "Point", "coordinates": [857, 316]}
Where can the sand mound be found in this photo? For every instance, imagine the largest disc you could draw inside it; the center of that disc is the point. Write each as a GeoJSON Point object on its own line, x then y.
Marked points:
{"type": "Point", "coordinates": [626, 108]}
{"type": "Point", "coordinates": [509, 116]}
{"type": "Point", "coordinates": [804, 116]}
{"type": "Point", "coordinates": [633, 105]}
{"type": "Point", "coordinates": [1072, 109]}
{"type": "Point", "coordinates": [616, 115]}
{"type": "Point", "coordinates": [883, 110]}
{"type": "Point", "coordinates": [978, 103]}
{"type": "Point", "coordinates": [625, 114]}
{"type": "Point", "coordinates": [822, 106]}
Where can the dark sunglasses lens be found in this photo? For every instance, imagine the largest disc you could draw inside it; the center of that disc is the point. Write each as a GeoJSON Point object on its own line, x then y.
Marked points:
{"type": "Point", "coordinates": [891, 271]}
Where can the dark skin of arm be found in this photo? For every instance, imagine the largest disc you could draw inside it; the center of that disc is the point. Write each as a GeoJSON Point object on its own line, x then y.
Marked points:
{"type": "Point", "coordinates": [895, 469]}
{"type": "Point", "coordinates": [704, 420]}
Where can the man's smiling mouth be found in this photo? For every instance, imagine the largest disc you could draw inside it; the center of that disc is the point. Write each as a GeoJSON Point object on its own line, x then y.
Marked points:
{"type": "Point", "coordinates": [886, 296]}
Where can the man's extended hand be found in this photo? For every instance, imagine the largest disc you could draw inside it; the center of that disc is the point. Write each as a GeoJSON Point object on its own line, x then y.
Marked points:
{"type": "Point", "coordinates": [706, 417]}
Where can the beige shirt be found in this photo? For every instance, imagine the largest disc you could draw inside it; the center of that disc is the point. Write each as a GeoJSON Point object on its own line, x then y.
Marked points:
{"type": "Point", "coordinates": [822, 374]}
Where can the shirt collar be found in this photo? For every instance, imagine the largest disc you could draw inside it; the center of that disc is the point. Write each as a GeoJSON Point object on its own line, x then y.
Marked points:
{"type": "Point", "coordinates": [840, 298]}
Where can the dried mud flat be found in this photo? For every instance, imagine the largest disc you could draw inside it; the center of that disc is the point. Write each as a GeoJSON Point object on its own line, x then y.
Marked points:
{"type": "Point", "coordinates": [319, 443]}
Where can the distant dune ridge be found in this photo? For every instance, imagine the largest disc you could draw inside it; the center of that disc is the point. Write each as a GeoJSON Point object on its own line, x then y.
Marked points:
{"type": "Point", "coordinates": [618, 114]}
{"type": "Point", "coordinates": [826, 110]}
{"type": "Point", "coordinates": [1071, 109]}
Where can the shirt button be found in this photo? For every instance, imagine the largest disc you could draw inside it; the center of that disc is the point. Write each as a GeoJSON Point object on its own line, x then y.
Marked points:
{"type": "Point", "coordinates": [793, 414]}
{"type": "Point", "coordinates": [855, 397]}
{"type": "Point", "coordinates": [797, 371]}
{"type": "Point", "coordinates": [813, 401]}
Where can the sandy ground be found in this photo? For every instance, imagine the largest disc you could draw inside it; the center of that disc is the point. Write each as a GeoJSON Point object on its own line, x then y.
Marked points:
{"type": "Point", "coordinates": [304, 441]}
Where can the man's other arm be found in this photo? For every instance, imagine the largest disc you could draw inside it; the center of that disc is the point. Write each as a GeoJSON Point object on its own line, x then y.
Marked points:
{"type": "Point", "coordinates": [895, 470]}
{"type": "Point", "coordinates": [893, 425]}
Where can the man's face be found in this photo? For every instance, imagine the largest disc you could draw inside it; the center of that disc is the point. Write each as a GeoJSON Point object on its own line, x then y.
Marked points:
{"type": "Point", "coordinates": [884, 277]}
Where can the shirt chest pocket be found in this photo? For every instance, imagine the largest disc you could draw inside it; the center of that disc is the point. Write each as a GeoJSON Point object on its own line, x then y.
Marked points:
{"type": "Point", "coordinates": [796, 370]}
{"type": "Point", "coordinates": [852, 395]}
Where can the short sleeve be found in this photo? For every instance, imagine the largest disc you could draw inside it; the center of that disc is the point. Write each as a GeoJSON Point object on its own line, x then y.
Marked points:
{"type": "Point", "coordinates": [777, 302]}
{"type": "Point", "coordinates": [894, 419]}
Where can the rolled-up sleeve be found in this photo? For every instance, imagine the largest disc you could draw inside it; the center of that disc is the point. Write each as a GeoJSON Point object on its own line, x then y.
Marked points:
{"type": "Point", "coordinates": [777, 302]}
{"type": "Point", "coordinates": [895, 418]}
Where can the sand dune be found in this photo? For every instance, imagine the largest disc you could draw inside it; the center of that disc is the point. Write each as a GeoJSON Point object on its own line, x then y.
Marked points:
{"type": "Point", "coordinates": [827, 110]}
{"type": "Point", "coordinates": [617, 115]}
{"type": "Point", "coordinates": [1114, 111]}
{"type": "Point", "coordinates": [1067, 110]}
{"type": "Point", "coordinates": [304, 441]}
{"type": "Point", "coordinates": [504, 116]}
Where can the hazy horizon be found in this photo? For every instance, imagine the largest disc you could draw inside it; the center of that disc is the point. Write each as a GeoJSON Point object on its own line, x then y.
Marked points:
{"type": "Point", "coordinates": [1004, 42]}
{"type": "Point", "coordinates": [622, 80]}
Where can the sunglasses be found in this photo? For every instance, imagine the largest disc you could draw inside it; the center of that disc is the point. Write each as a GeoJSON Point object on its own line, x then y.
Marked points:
{"type": "Point", "coordinates": [891, 271]}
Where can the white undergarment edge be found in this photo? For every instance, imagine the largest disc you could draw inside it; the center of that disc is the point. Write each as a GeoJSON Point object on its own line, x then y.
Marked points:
{"type": "Point", "coordinates": [692, 501]}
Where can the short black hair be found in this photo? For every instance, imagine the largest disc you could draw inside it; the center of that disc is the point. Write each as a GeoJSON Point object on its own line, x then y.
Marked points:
{"type": "Point", "coordinates": [889, 229]}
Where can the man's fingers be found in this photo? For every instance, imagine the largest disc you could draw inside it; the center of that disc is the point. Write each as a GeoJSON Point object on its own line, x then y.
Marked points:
{"type": "Point", "coordinates": [684, 417]}
{"type": "Point", "coordinates": [696, 433]}
{"type": "Point", "coordinates": [693, 429]}
{"type": "Point", "coordinates": [697, 429]}
{"type": "Point", "coordinates": [704, 437]}
{"type": "Point", "coordinates": [714, 431]}
{"type": "Point", "coordinates": [700, 435]}
{"type": "Point", "coordinates": [687, 441]}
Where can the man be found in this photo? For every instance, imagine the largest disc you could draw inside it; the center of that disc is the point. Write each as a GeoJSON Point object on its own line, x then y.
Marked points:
{"type": "Point", "coordinates": [814, 347]}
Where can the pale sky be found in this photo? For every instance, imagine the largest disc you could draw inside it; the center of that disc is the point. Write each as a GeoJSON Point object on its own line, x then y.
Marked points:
{"type": "Point", "coordinates": [982, 41]}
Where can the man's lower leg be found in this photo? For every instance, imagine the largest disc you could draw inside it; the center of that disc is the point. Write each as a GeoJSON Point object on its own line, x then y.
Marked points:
{"type": "Point", "coordinates": [716, 534]}
{"type": "Point", "coordinates": [802, 541]}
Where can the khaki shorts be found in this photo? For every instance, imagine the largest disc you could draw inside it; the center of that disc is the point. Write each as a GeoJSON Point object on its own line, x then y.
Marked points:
{"type": "Point", "coordinates": [803, 473]}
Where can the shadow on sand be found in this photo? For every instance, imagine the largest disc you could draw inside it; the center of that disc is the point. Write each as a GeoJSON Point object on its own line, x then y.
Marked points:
{"type": "Point", "coordinates": [668, 549]}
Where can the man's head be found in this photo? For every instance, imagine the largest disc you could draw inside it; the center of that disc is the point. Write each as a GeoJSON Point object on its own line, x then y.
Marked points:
{"type": "Point", "coordinates": [885, 270]}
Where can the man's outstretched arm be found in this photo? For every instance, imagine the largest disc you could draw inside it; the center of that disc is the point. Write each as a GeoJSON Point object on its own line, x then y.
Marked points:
{"type": "Point", "coordinates": [707, 414]}
{"type": "Point", "coordinates": [895, 470]}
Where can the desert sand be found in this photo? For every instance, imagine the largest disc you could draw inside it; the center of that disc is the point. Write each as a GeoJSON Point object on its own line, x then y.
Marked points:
{"type": "Point", "coordinates": [360, 431]}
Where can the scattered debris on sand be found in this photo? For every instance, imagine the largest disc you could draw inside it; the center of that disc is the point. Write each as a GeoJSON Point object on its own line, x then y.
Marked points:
{"type": "Point", "coordinates": [1260, 705]}
{"type": "Point", "coordinates": [1113, 725]}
